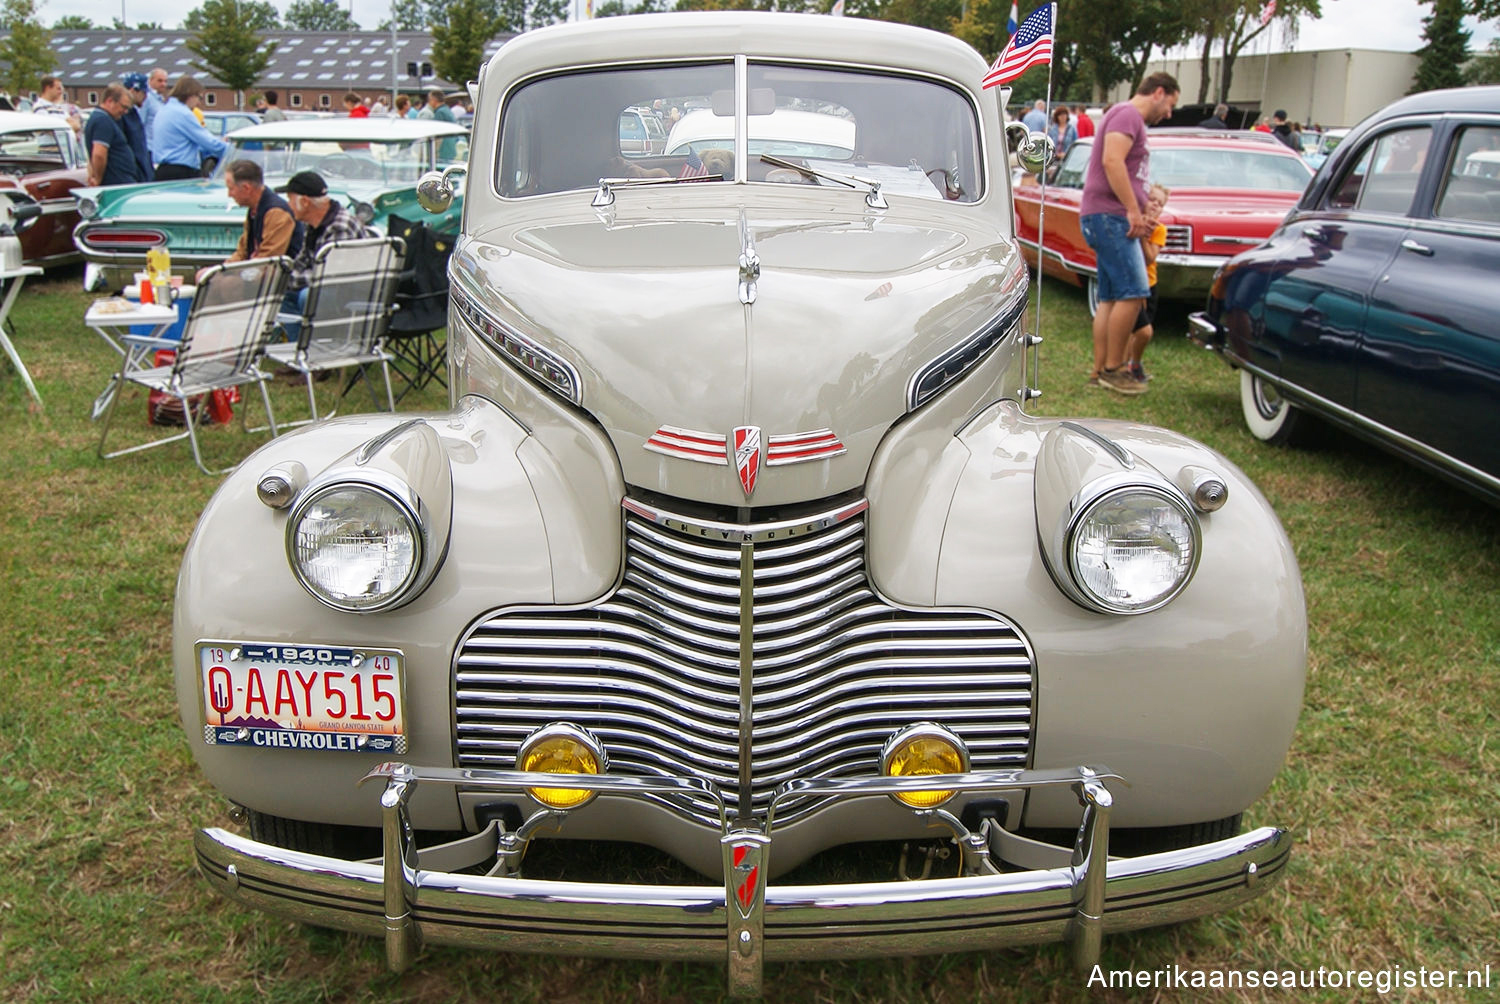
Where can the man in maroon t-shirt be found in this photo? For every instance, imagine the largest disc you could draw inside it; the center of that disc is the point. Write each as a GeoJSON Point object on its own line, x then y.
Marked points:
{"type": "Point", "coordinates": [1111, 215]}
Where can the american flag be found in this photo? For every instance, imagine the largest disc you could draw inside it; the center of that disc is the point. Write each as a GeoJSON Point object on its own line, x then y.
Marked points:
{"type": "Point", "coordinates": [1031, 46]}
{"type": "Point", "coordinates": [1015, 18]}
{"type": "Point", "coordinates": [1267, 12]}
{"type": "Point", "coordinates": [693, 167]}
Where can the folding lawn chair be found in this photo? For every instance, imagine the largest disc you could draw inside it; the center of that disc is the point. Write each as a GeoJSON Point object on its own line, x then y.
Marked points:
{"type": "Point", "coordinates": [227, 329]}
{"type": "Point", "coordinates": [344, 321]}
{"type": "Point", "coordinates": [422, 302]}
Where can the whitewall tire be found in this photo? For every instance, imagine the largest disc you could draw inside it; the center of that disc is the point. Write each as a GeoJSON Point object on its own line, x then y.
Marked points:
{"type": "Point", "coordinates": [1267, 414]}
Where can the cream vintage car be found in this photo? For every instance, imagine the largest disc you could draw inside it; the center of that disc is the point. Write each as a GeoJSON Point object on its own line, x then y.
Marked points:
{"type": "Point", "coordinates": [739, 546]}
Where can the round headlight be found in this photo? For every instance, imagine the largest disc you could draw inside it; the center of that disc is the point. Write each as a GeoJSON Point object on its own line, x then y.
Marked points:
{"type": "Point", "coordinates": [87, 208]}
{"type": "Point", "coordinates": [355, 546]}
{"type": "Point", "coordinates": [919, 750]}
{"type": "Point", "coordinates": [364, 212]}
{"type": "Point", "coordinates": [1133, 549]}
{"type": "Point", "coordinates": [561, 748]}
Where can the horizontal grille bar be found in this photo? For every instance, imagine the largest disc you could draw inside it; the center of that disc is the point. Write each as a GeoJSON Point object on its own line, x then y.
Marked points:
{"type": "Point", "coordinates": [653, 669]}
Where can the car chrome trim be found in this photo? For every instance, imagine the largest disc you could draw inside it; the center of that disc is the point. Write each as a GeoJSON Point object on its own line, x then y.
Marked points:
{"type": "Point", "coordinates": [1354, 419]}
{"type": "Point", "coordinates": [546, 366]}
{"type": "Point", "coordinates": [938, 374]}
{"type": "Point", "coordinates": [792, 625]}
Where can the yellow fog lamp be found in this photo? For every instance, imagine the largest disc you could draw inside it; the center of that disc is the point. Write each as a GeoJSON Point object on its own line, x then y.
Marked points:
{"type": "Point", "coordinates": [919, 750]}
{"type": "Point", "coordinates": [561, 748]}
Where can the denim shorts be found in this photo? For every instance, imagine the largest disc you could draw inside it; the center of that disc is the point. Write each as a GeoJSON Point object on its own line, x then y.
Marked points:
{"type": "Point", "coordinates": [1121, 264]}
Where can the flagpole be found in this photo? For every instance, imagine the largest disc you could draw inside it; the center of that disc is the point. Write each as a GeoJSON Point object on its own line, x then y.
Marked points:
{"type": "Point", "coordinates": [1034, 341]}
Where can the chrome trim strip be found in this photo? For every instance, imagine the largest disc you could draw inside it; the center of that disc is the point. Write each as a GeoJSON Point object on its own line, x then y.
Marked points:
{"type": "Point", "coordinates": [1342, 414]}
{"type": "Point", "coordinates": [554, 371]}
{"type": "Point", "coordinates": [1178, 260]}
{"type": "Point", "coordinates": [745, 533]}
{"type": "Point", "coordinates": [965, 355]}
{"type": "Point", "coordinates": [747, 683]}
{"type": "Point", "coordinates": [1111, 447]}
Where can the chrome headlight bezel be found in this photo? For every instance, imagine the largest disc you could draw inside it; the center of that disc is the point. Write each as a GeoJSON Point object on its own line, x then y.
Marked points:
{"type": "Point", "coordinates": [408, 506]}
{"type": "Point", "coordinates": [1089, 500]}
{"type": "Point", "coordinates": [88, 207]}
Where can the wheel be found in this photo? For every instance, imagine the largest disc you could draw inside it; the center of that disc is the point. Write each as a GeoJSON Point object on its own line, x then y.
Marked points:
{"type": "Point", "coordinates": [1093, 296]}
{"type": "Point", "coordinates": [352, 843]}
{"type": "Point", "coordinates": [1270, 418]}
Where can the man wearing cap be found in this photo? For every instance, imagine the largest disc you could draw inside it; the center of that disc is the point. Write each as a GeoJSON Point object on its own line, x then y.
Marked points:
{"type": "Point", "coordinates": [135, 126]}
{"type": "Point", "coordinates": [270, 230]}
{"type": "Point", "coordinates": [326, 221]}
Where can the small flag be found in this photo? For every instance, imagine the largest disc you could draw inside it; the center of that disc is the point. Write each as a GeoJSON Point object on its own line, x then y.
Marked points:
{"type": "Point", "coordinates": [1031, 46]}
{"type": "Point", "coordinates": [693, 167]}
{"type": "Point", "coordinates": [1267, 12]}
{"type": "Point", "coordinates": [838, 8]}
{"type": "Point", "coordinates": [1015, 19]}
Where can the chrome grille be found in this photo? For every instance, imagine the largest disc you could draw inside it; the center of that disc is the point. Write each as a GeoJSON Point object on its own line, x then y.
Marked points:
{"type": "Point", "coordinates": [654, 670]}
{"type": "Point", "coordinates": [1179, 238]}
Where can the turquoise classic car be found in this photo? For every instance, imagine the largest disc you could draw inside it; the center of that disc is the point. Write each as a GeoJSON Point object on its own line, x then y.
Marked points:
{"type": "Point", "coordinates": [372, 165]}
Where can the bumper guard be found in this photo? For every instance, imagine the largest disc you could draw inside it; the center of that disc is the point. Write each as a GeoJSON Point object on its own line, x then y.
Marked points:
{"type": "Point", "coordinates": [412, 897]}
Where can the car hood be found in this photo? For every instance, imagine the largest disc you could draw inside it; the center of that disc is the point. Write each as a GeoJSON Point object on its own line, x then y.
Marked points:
{"type": "Point", "coordinates": [848, 307]}
{"type": "Point", "coordinates": [1228, 204]}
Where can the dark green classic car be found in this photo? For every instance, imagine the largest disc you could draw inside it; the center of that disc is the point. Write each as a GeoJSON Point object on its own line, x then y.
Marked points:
{"type": "Point", "coordinates": [371, 164]}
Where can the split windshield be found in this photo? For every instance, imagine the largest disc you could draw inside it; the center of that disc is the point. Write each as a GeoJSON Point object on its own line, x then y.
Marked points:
{"type": "Point", "coordinates": [566, 132]}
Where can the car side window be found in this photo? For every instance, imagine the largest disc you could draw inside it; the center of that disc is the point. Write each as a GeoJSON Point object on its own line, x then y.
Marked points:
{"type": "Point", "coordinates": [1471, 190]}
{"type": "Point", "coordinates": [1074, 166]}
{"type": "Point", "coordinates": [1383, 178]}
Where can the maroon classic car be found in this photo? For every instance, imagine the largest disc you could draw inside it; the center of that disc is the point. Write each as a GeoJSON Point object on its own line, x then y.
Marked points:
{"type": "Point", "coordinates": [1229, 191]}
{"type": "Point", "coordinates": [41, 160]}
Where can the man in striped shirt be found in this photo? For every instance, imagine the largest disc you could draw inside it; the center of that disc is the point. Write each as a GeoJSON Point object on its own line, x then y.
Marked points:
{"type": "Point", "coordinates": [326, 221]}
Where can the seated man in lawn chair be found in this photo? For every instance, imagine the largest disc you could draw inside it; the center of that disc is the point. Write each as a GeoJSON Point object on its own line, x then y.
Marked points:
{"type": "Point", "coordinates": [325, 221]}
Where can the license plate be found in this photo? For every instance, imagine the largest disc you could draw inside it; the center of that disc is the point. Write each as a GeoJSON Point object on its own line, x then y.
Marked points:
{"type": "Point", "coordinates": [302, 697]}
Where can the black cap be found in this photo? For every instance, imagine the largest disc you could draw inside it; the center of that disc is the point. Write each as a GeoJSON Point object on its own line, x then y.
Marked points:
{"type": "Point", "coordinates": [1279, 113]}
{"type": "Point", "coordinates": [309, 183]}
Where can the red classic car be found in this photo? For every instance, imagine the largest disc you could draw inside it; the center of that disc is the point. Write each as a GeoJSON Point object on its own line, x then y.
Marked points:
{"type": "Point", "coordinates": [1229, 191]}
{"type": "Point", "coordinates": [41, 160]}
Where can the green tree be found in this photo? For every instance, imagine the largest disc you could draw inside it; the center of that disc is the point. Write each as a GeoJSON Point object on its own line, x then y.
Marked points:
{"type": "Point", "coordinates": [524, 15]}
{"type": "Point", "coordinates": [1485, 67]}
{"type": "Point", "coordinates": [227, 45]}
{"type": "Point", "coordinates": [72, 22]}
{"type": "Point", "coordinates": [459, 35]}
{"type": "Point", "coordinates": [316, 15]}
{"type": "Point", "coordinates": [26, 46]}
{"type": "Point", "coordinates": [411, 15]}
{"type": "Point", "coordinates": [1235, 24]}
{"type": "Point", "coordinates": [1447, 48]}
{"type": "Point", "coordinates": [256, 15]}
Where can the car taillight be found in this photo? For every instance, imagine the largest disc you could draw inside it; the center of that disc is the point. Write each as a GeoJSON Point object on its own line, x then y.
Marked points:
{"type": "Point", "coordinates": [118, 239]}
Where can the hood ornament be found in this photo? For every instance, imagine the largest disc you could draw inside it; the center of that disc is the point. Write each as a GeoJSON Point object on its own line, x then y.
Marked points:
{"type": "Point", "coordinates": [749, 263]}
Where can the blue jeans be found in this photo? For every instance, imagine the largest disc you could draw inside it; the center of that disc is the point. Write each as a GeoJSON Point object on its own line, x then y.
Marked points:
{"type": "Point", "coordinates": [1121, 263]}
{"type": "Point", "coordinates": [293, 303]}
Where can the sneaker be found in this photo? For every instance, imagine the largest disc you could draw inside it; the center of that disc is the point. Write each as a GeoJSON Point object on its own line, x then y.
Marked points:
{"type": "Point", "coordinates": [1121, 382]}
{"type": "Point", "coordinates": [1139, 372]}
{"type": "Point", "coordinates": [1093, 380]}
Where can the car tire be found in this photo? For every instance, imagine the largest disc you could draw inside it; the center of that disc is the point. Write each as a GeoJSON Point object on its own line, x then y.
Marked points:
{"type": "Point", "coordinates": [1269, 416]}
{"type": "Point", "coordinates": [1093, 296]}
{"type": "Point", "coordinates": [1156, 840]}
{"type": "Point", "coordinates": [351, 843]}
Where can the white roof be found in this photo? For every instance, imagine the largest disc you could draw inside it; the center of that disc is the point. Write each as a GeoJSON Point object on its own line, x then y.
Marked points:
{"type": "Point", "coordinates": [784, 124]}
{"type": "Point", "coordinates": [381, 129]}
{"type": "Point", "coordinates": [29, 122]}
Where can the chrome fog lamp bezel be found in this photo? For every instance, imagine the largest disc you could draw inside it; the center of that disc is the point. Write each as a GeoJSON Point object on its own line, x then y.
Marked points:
{"type": "Point", "coordinates": [911, 733]}
{"type": "Point", "coordinates": [1096, 494]}
{"type": "Point", "coordinates": [407, 504]}
{"type": "Point", "coordinates": [88, 207]}
{"type": "Point", "coordinates": [572, 733]}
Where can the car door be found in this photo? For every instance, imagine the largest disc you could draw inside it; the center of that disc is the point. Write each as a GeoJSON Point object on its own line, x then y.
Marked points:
{"type": "Point", "coordinates": [1429, 367]}
{"type": "Point", "coordinates": [1318, 295]}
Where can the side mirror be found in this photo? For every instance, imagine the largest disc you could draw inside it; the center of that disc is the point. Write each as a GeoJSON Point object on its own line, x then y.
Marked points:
{"type": "Point", "coordinates": [22, 214]}
{"type": "Point", "coordinates": [435, 190]}
{"type": "Point", "coordinates": [1033, 150]}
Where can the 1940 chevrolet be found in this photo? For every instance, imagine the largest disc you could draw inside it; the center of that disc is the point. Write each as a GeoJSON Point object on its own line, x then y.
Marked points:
{"type": "Point", "coordinates": [739, 542]}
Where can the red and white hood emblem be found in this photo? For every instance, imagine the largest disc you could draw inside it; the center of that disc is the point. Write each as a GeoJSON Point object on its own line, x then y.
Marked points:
{"type": "Point", "coordinates": [746, 442]}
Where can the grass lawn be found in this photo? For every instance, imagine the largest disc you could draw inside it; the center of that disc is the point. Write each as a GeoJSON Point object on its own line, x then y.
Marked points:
{"type": "Point", "coordinates": [1391, 787]}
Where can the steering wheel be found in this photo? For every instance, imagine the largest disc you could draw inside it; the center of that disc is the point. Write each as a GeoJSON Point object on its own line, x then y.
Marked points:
{"type": "Point", "coordinates": [342, 165]}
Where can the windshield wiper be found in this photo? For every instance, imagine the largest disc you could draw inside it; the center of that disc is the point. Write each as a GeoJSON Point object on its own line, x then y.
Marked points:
{"type": "Point", "coordinates": [605, 195]}
{"type": "Point", "coordinates": [873, 198]}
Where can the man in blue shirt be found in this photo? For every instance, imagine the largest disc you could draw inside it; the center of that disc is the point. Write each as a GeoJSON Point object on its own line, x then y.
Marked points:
{"type": "Point", "coordinates": [135, 126]}
{"type": "Point", "coordinates": [156, 98]}
{"type": "Point", "coordinates": [1036, 119]}
{"type": "Point", "coordinates": [111, 160]}
{"type": "Point", "coordinates": [179, 142]}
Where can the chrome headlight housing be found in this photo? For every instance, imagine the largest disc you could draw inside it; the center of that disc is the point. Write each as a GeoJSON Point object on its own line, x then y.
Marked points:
{"type": "Point", "coordinates": [370, 533]}
{"type": "Point", "coordinates": [1117, 536]}
{"type": "Point", "coordinates": [354, 545]}
{"type": "Point", "coordinates": [364, 212]}
{"type": "Point", "coordinates": [1132, 548]}
{"type": "Point", "coordinates": [88, 208]}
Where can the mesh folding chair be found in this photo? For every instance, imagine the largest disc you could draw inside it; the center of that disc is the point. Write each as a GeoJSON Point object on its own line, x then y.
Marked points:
{"type": "Point", "coordinates": [344, 321]}
{"type": "Point", "coordinates": [227, 330]}
{"type": "Point", "coordinates": [422, 302]}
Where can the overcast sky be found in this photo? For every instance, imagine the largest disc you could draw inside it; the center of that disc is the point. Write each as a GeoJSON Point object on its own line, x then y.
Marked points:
{"type": "Point", "coordinates": [1362, 24]}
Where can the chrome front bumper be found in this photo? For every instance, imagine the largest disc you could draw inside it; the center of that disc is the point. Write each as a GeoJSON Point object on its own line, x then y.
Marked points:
{"type": "Point", "coordinates": [410, 899]}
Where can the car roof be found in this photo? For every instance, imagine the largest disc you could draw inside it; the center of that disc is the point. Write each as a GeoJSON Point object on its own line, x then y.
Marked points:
{"type": "Point", "coordinates": [1234, 139]}
{"type": "Point", "coordinates": [387, 129]}
{"type": "Point", "coordinates": [30, 122]}
{"type": "Point", "coordinates": [1456, 99]}
{"type": "Point", "coordinates": [782, 124]}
